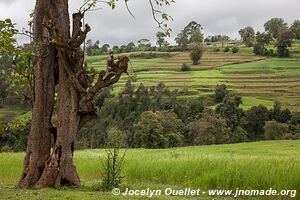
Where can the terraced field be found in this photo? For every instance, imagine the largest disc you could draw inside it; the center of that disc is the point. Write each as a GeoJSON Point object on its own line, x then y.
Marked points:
{"type": "Point", "coordinates": [260, 80]}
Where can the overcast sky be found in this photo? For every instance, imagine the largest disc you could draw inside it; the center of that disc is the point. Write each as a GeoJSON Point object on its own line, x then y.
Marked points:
{"type": "Point", "coordinates": [117, 27]}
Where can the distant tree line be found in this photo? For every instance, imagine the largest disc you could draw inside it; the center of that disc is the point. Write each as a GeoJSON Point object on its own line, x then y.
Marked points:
{"type": "Point", "coordinates": [154, 117]}
{"type": "Point", "coordinates": [276, 31]}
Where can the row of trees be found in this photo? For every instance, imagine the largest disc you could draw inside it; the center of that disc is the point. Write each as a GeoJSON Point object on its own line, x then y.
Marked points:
{"type": "Point", "coordinates": [155, 118]}
{"type": "Point", "coordinates": [191, 34]}
{"type": "Point", "coordinates": [275, 30]}
{"type": "Point", "coordinates": [94, 48]}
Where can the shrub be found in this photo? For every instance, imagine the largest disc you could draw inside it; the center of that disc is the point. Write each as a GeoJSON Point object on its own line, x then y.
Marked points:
{"type": "Point", "coordinates": [271, 52]}
{"type": "Point", "coordinates": [259, 49]}
{"type": "Point", "coordinates": [114, 162]}
{"type": "Point", "coordinates": [238, 135]}
{"type": "Point", "coordinates": [235, 49]}
{"type": "Point", "coordinates": [14, 135]}
{"type": "Point", "coordinates": [196, 54]}
{"type": "Point", "coordinates": [217, 49]}
{"type": "Point", "coordinates": [275, 130]}
{"type": "Point", "coordinates": [185, 67]}
{"type": "Point", "coordinates": [221, 92]}
{"type": "Point", "coordinates": [226, 49]}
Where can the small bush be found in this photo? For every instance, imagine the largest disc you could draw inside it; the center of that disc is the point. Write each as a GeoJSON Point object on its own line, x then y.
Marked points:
{"type": "Point", "coordinates": [259, 49]}
{"type": "Point", "coordinates": [226, 49]}
{"type": "Point", "coordinates": [235, 49]}
{"type": "Point", "coordinates": [221, 92]}
{"type": "Point", "coordinates": [217, 49]}
{"type": "Point", "coordinates": [114, 162]}
{"type": "Point", "coordinates": [14, 135]}
{"type": "Point", "coordinates": [185, 67]}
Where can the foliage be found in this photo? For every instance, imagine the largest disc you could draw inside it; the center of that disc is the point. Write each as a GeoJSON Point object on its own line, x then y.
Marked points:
{"type": "Point", "coordinates": [210, 129]}
{"type": "Point", "coordinates": [254, 121]}
{"type": "Point", "coordinates": [220, 92]}
{"type": "Point", "coordinates": [3, 88]}
{"type": "Point", "coordinates": [115, 138]}
{"type": "Point", "coordinates": [283, 42]}
{"type": "Point", "coordinates": [229, 110]}
{"type": "Point", "coordinates": [161, 41]}
{"type": "Point", "coordinates": [276, 113]}
{"type": "Point", "coordinates": [274, 26]}
{"type": "Point", "coordinates": [217, 38]}
{"type": "Point", "coordinates": [262, 40]}
{"type": "Point", "coordinates": [14, 135]}
{"type": "Point", "coordinates": [17, 62]}
{"type": "Point", "coordinates": [196, 54]}
{"type": "Point", "coordinates": [275, 130]}
{"type": "Point", "coordinates": [235, 49]}
{"type": "Point", "coordinates": [295, 28]}
{"type": "Point", "coordinates": [238, 135]}
{"type": "Point", "coordinates": [7, 31]}
{"type": "Point", "coordinates": [196, 38]}
{"type": "Point", "coordinates": [182, 40]}
{"type": "Point", "coordinates": [143, 44]}
{"type": "Point", "coordinates": [185, 67]}
{"type": "Point", "coordinates": [114, 163]}
{"type": "Point", "coordinates": [248, 35]}
{"type": "Point", "coordinates": [226, 49]}
{"type": "Point", "coordinates": [217, 49]}
{"type": "Point", "coordinates": [191, 34]}
{"type": "Point", "coordinates": [159, 129]}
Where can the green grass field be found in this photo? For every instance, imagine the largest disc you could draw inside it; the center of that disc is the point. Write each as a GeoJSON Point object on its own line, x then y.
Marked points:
{"type": "Point", "coordinates": [258, 165]}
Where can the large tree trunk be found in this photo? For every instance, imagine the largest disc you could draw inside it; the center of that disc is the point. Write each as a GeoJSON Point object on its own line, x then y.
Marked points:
{"type": "Point", "coordinates": [39, 140]}
{"type": "Point", "coordinates": [63, 62]}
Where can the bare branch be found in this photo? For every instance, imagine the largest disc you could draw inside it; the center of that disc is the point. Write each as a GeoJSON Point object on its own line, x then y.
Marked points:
{"type": "Point", "coordinates": [127, 7]}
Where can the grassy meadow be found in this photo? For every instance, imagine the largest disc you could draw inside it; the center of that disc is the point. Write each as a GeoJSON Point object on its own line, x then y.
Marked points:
{"type": "Point", "coordinates": [257, 165]}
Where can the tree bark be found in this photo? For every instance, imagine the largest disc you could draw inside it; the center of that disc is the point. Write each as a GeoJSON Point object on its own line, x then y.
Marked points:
{"type": "Point", "coordinates": [62, 64]}
{"type": "Point", "coordinates": [39, 141]}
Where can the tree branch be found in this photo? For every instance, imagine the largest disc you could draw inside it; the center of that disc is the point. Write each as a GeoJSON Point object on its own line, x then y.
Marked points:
{"type": "Point", "coordinates": [106, 78]}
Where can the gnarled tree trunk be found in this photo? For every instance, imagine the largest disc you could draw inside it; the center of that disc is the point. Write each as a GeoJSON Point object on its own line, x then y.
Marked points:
{"type": "Point", "coordinates": [61, 64]}
{"type": "Point", "coordinates": [39, 141]}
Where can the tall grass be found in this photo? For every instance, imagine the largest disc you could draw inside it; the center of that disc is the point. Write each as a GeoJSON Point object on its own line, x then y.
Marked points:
{"type": "Point", "coordinates": [259, 165]}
